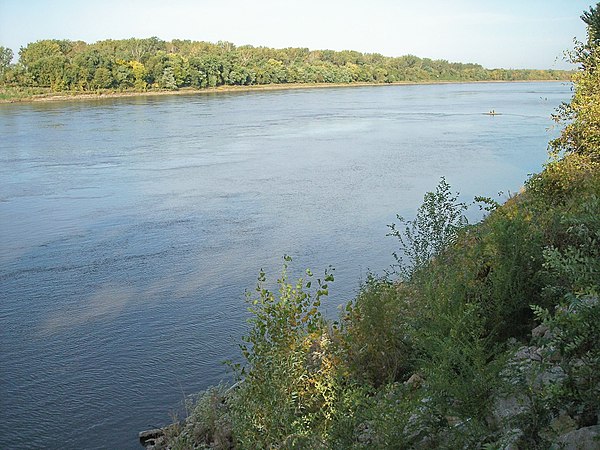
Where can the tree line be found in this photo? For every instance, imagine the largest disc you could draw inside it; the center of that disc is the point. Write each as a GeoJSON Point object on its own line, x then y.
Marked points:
{"type": "Point", "coordinates": [151, 63]}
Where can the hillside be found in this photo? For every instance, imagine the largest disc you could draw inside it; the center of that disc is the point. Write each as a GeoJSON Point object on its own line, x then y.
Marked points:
{"type": "Point", "coordinates": [485, 337]}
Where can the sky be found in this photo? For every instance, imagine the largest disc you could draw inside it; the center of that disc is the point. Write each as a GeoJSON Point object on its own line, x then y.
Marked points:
{"type": "Point", "coordinates": [494, 33]}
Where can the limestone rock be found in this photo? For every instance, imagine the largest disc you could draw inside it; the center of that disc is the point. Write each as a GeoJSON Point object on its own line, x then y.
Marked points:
{"type": "Point", "coordinates": [529, 353]}
{"type": "Point", "coordinates": [587, 438]}
{"type": "Point", "coordinates": [506, 408]}
{"type": "Point", "coordinates": [414, 381]}
{"type": "Point", "coordinates": [552, 375]}
{"type": "Point", "coordinates": [148, 437]}
{"type": "Point", "coordinates": [563, 423]}
{"type": "Point", "coordinates": [540, 331]}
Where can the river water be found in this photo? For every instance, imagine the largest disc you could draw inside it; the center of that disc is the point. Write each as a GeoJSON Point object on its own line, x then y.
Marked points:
{"type": "Point", "coordinates": [130, 228]}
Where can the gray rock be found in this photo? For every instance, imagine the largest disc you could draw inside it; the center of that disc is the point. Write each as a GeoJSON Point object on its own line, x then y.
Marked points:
{"type": "Point", "coordinates": [512, 439]}
{"type": "Point", "coordinates": [563, 423]}
{"type": "Point", "coordinates": [506, 408]}
{"type": "Point", "coordinates": [552, 354]}
{"type": "Point", "coordinates": [414, 381]}
{"type": "Point", "coordinates": [149, 437]}
{"type": "Point", "coordinates": [552, 375]}
{"type": "Point", "coordinates": [529, 353]}
{"type": "Point", "coordinates": [587, 438]}
{"type": "Point", "coordinates": [150, 434]}
{"type": "Point", "coordinates": [540, 331]}
{"type": "Point", "coordinates": [364, 434]}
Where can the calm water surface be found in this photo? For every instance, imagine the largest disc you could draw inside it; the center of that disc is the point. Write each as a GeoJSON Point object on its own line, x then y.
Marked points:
{"type": "Point", "coordinates": [130, 228]}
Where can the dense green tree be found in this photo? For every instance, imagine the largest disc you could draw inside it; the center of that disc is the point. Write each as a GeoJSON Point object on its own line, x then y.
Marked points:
{"type": "Point", "coordinates": [139, 74]}
{"type": "Point", "coordinates": [181, 69]}
{"type": "Point", "coordinates": [123, 74]}
{"type": "Point", "coordinates": [167, 80]}
{"type": "Point", "coordinates": [6, 56]}
{"type": "Point", "coordinates": [43, 60]}
{"type": "Point", "coordinates": [240, 75]}
{"type": "Point", "coordinates": [581, 134]}
{"type": "Point", "coordinates": [102, 78]}
{"type": "Point", "coordinates": [592, 20]}
{"type": "Point", "coordinates": [142, 64]}
{"type": "Point", "coordinates": [207, 71]}
{"type": "Point", "coordinates": [39, 50]}
{"type": "Point", "coordinates": [155, 66]}
{"type": "Point", "coordinates": [142, 50]}
{"type": "Point", "coordinates": [88, 62]}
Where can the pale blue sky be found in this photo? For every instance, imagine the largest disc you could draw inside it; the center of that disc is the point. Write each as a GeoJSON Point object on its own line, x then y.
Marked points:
{"type": "Point", "coordinates": [500, 33]}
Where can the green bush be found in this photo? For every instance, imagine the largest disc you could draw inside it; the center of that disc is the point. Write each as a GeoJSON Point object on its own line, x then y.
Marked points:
{"type": "Point", "coordinates": [433, 229]}
{"type": "Point", "coordinates": [575, 333]}
{"type": "Point", "coordinates": [292, 380]}
{"type": "Point", "coordinates": [573, 264]}
{"type": "Point", "coordinates": [509, 281]}
{"type": "Point", "coordinates": [375, 333]}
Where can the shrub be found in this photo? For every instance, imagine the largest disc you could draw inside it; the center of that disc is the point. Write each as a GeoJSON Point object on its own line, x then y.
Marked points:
{"type": "Point", "coordinates": [573, 264]}
{"type": "Point", "coordinates": [375, 333]}
{"type": "Point", "coordinates": [508, 279]}
{"type": "Point", "coordinates": [433, 229]}
{"type": "Point", "coordinates": [293, 375]}
{"type": "Point", "coordinates": [574, 336]}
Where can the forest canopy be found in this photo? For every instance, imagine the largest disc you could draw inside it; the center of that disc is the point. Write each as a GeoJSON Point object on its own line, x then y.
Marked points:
{"type": "Point", "coordinates": [151, 63]}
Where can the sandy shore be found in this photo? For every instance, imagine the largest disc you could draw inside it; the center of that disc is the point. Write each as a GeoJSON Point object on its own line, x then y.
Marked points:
{"type": "Point", "coordinates": [59, 96]}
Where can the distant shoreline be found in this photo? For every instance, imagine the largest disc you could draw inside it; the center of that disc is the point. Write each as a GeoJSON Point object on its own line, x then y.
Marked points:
{"type": "Point", "coordinates": [59, 96]}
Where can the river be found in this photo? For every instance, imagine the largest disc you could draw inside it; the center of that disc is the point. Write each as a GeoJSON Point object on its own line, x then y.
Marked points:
{"type": "Point", "coordinates": [130, 228]}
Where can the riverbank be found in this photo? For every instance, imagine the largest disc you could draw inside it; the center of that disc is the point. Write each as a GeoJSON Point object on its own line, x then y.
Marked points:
{"type": "Point", "coordinates": [490, 344]}
{"type": "Point", "coordinates": [16, 96]}
{"type": "Point", "coordinates": [488, 339]}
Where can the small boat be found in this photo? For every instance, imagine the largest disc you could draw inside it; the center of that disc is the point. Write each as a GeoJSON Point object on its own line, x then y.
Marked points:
{"type": "Point", "coordinates": [492, 113]}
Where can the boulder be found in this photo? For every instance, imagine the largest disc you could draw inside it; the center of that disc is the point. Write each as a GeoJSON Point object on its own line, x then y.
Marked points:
{"type": "Point", "coordinates": [552, 375]}
{"type": "Point", "coordinates": [563, 424]}
{"type": "Point", "coordinates": [507, 408]}
{"type": "Point", "coordinates": [541, 331]}
{"type": "Point", "coordinates": [529, 353]}
{"type": "Point", "coordinates": [149, 437]}
{"type": "Point", "coordinates": [587, 438]}
{"type": "Point", "coordinates": [414, 381]}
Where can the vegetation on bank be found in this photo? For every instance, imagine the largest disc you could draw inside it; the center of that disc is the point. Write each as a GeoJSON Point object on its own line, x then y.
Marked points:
{"type": "Point", "coordinates": [486, 337]}
{"type": "Point", "coordinates": [152, 64]}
